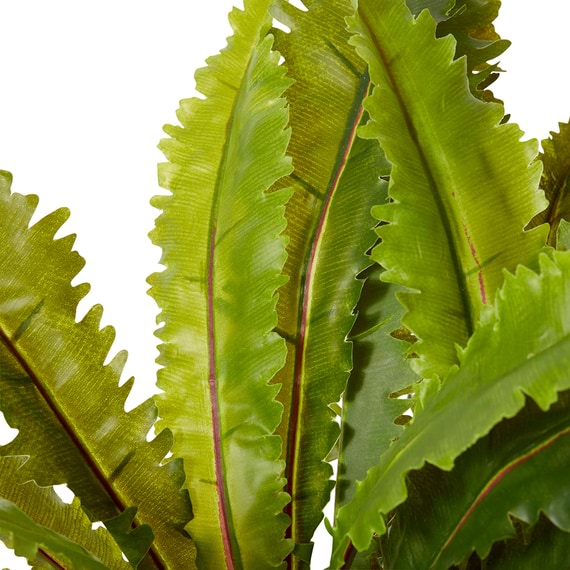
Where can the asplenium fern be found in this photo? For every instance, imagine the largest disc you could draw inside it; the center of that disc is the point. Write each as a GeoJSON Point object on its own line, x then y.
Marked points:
{"type": "Point", "coordinates": [358, 223]}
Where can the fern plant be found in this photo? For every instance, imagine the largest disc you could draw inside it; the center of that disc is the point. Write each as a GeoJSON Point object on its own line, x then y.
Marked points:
{"type": "Point", "coordinates": [349, 233]}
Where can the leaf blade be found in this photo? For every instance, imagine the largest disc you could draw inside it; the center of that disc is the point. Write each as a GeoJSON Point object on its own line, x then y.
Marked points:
{"type": "Point", "coordinates": [219, 349]}
{"type": "Point", "coordinates": [45, 508]}
{"type": "Point", "coordinates": [489, 483]}
{"type": "Point", "coordinates": [448, 181]}
{"type": "Point", "coordinates": [29, 539]}
{"type": "Point", "coordinates": [65, 402]}
{"type": "Point", "coordinates": [490, 385]}
{"type": "Point", "coordinates": [554, 182]}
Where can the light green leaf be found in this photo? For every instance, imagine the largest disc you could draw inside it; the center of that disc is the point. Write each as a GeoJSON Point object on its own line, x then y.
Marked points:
{"type": "Point", "coordinates": [471, 23]}
{"type": "Point", "coordinates": [66, 404]}
{"type": "Point", "coordinates": [220, 234]}
{"type": "Point", "coordinates": [46, 509]}
{"type": "Point", "coordinates": [330, 85]}
{"type": "Point", "coordinates": [521, 350]}
{"type": "Point", "coordinates": [457, 174]}
{"type": "Point", "coordinates": [447, 516]}
{"type": "Point", "coordinates": [379, 365]}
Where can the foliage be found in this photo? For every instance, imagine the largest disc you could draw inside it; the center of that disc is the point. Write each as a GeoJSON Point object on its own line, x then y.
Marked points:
{"type": "Point", "coordinates": [349, 234]}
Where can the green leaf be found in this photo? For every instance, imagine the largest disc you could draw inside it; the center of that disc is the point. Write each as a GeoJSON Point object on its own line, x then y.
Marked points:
{"type": "Point", "coordinates": [220, 234]}
{"type": "Point", "coordinates": [32, 540]}
{"type": "Point", "coordinates": [471, 23]}
{"type": "Point", "coordinates": [380, 370]}
{"type": "Point", "coordinates": [378, 357]}
{"type": "Point", "coordinates": [543, 546]}
{"type": "Point", "coordinates": [330, 85]}
{"type": "Point", "coordinates": [563, 237]}
{"type": "Point", "coordinates": [472, 27]}
{"type": "Point", "coordinates": [555, 181]}
{"type": "Point", "coordinates": [440, 10]}
{"type": "Point", "coordinates": [372, 414]}
{"type": "Point", "coordinates": [336, 181]}
{"type": "Point", "coordinates": [461, 180]}
{"type": "Point", "coordinates": [46, 509]}
{"type": "Point", "coordinates": [66, 403]}
{"type": "Point", "coordinates": [447, 516]}
{"type": "Point", "coordinates": [521, 349]}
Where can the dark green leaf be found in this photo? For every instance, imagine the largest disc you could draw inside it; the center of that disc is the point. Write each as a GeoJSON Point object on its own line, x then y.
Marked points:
{"type": "Point", "coordinates": [555, 181]}
{"type": "Point", "coordinates": [520, 469]}
{"type": "Point", "coordinates": [522, 349]}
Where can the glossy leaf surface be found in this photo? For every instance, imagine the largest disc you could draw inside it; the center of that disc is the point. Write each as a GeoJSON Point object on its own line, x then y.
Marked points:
{"type": "Point", "coordinates": [520, 469]}
{"type": "Point", "coordinates": [67, 404]}
{"type": "Point", "coordinates": [369, 414]}
{"type": "Point", "coordinates": [456, 174]}
{"type": "Point", "coordinates": [522, 350]}
{"type": "Point", "coordinates": [220, 234]}
{"type": "Point", "coordinates": [335, 181]}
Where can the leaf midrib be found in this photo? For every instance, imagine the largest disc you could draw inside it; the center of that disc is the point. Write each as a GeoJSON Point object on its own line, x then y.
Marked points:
{"type": "Point", "coordinates": [231, 547]}
{"type": "Point", "coordinates": [430, 174]}
{"type": "Point", "coordinates": [493, 482]}
{"type": "Point", "coordinates": [67, 426]}
{"type": "Point", "coordinates": [310, 263]}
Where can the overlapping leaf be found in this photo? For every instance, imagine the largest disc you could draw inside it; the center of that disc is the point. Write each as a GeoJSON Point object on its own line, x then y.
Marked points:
{"type": "Point", "coordinates": [369, 413]}
{"type": "Point", "coordinates": [66, 404]}
{"type": "Point", "coordinates": [325, 105]}
{"type": "Point", "coordinates": [543, 546]}
{"type": "Point", "coordinates": [522, 350]}
{"type": "Point", "coordinates": [471, 23]}
{"type": "Point", "coordinates": [472, 27]}
{"type": "Point", "coordinates": [31, 540]}
{"type": "Point", "coordinates": [381, 369]}
{"type": "Point", "coordinates": [220, 234]}
{"type": "Point", "coordinates": [334, 189]}
{"type": "Point", "coordinates": [447, 516]}
{"type": "Point", "coordinates": [47, 510]}
{"type": "Point", "coordinates": [461, 180]}
{"type": "Point", "coordinates": [555, 181]}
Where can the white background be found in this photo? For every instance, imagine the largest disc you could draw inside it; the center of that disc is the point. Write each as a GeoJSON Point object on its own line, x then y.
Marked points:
{"type": "Point", "coordinates": [86, 87]}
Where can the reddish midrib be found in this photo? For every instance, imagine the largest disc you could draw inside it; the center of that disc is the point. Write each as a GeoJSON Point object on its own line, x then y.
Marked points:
{"type": "Point", "coordinates": [70, 432]}
{"type": "Point", "coordinates": [494, 482]}
{"type": "Point", "coordinates": [482, 290]}
{"type": "Point", "coordinates": [301, 342]}
{"type": "Point", "coordinates": [50, 560]}
{"type": "Point", "coordinates": [212, 383]}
